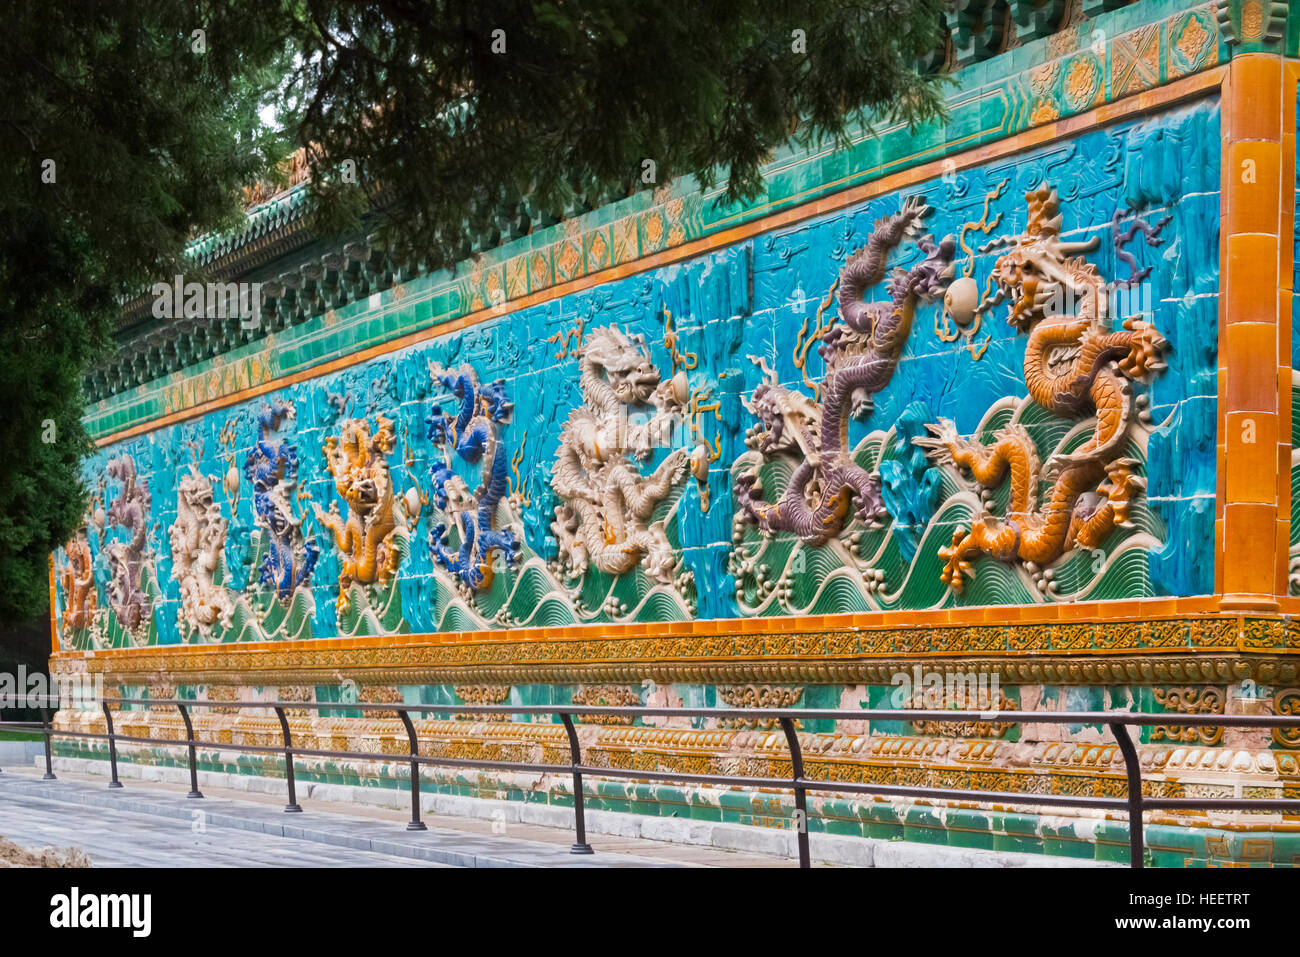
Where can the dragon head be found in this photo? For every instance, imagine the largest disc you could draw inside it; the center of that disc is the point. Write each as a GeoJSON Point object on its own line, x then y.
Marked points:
{"type": "Point", "coordinates": [787, 419]}
{"type": "Point", "coordinates": [274, 415]}
{"type": "Point", "coordinates": [195, 491]}
{"type": "Point", "coordinates": [625, 360]}
{"type": "Point", "coordinates": [356, 460]}
{"type": "Point", "coordinates": [1040, 274]}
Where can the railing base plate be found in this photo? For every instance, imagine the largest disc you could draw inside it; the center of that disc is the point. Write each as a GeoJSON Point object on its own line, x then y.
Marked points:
{"type": "Point", "coordinates": [581, 849]}
{"type": "Point", "coordinates": [292, 809]}
{"type": "Point", "coordinates": [416, 826]}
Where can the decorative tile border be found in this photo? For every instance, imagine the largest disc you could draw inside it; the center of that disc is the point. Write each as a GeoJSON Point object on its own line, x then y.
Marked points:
{"type": "Point", "coordinates": [1109, 651]}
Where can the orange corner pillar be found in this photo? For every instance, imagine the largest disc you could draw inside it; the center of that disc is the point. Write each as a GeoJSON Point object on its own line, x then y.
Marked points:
{"type": "Point", "coordinates": [1254, 440]}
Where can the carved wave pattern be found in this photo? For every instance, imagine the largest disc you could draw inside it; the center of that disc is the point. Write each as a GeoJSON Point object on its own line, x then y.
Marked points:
{"type": "Point", "coordinates": [866, 569]}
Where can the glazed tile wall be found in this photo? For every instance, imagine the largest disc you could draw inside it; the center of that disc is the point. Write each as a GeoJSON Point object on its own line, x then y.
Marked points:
{"type": "Point", "coordinates": [736, 312]}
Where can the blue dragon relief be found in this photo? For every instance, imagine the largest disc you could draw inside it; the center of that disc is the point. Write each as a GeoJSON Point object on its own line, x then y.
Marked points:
{"type": "Point", "coordinates": [272, 468]}
{"type": "Point", "coordinates": [474, 436]}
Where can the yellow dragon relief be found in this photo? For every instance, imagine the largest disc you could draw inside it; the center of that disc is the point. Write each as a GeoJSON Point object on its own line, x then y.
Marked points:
{"type": "Point", "coordinates": [357, 460]}
{"type": "Point", "coordinates": [78, 577]}
{"type": "Point", "coordinates": [1075, 365]}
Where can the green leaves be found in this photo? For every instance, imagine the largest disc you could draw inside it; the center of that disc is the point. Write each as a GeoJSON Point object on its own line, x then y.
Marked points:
{"type": "Point", "coordinates": [579, 93]}
{"type": "Point", "coordinates": [119, 144]}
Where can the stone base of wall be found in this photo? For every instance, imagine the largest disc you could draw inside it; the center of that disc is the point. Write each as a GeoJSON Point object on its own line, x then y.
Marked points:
{"type": "Point", "coordinates": [323, 712]}
{"type": "Point", "coordinates": [825, 847]}
{"type": "Point", "coordinates": [844, 830]}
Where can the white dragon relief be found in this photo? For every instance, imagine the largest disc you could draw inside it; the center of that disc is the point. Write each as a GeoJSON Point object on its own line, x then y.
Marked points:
{"type": "Point", "coordinates": [606, 502]}
{"type": "Point", "coordinates": [198, 538]}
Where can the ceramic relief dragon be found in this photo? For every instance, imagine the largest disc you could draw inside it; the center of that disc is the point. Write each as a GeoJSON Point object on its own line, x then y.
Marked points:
{"type": "Point", "coordinates": [272, 468]}
{"type": "Point", "coordinates": [198, 540]}
{"type": "Point", "coordinates": [129, 560]}
{"type": "Point", "coordinates": [606, 502]}
{"type": "Point", "coordinates": [828, 488]}
{"type": "Point", "coordinates": [78, 580]}
{"type": "Point", "coordinates": [1075, 366]}
{"type": "Point", "coordinates": [473, 434]}
{"type": "Point", "coordinates": [367, 537]}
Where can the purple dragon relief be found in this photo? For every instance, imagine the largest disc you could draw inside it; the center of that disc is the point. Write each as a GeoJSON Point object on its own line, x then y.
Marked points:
{"type": "Point", "coordinates": [127, 560]}
{"type": "Point", "coordinates": [828, 488]}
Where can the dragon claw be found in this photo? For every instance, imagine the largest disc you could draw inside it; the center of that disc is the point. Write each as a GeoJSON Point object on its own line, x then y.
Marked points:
{"type": "Point", "coordinates": [956, 567]}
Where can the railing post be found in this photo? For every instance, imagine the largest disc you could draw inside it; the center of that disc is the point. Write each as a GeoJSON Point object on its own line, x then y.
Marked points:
{"type": "Point", "coordinates": [194, 763]}
{"type": "Point", "coordinates": [579, 819]}
{"type": "Point", "coordinates": [112, 748]}
{"type": "Point", "coordinates": [800, 793]}
{"type": "Point", "coordinates": [49, 767]}
{"type": "Point", "coordinates": [1136, 850]}
{"type": "Point", "coordinates": [415, 823]}
{"type": "Point", "coordinates": [292, 807]}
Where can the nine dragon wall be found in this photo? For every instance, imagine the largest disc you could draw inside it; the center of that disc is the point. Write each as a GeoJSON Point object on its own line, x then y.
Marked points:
{"type": "Point", "coordinates": [198, 531]}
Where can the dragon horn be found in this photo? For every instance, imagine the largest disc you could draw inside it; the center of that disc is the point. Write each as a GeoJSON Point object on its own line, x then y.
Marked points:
{"type": "Point", "coordinates": [1074, 248]}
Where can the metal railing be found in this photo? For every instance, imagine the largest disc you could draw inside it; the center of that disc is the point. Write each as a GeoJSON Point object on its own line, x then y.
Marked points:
{"type": "Point", "coordinates": [1118, 722]}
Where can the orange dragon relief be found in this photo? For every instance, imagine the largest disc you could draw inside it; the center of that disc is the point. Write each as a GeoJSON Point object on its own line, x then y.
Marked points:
{"type": "Point", "coordinates": [1076, 365]}
{"type": "Point", "coordinates": [371, 540]}
{"type": "Point", "coordinates": [78, 584]}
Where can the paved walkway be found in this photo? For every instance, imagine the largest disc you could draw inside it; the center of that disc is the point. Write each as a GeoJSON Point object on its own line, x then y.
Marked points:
{"type": "Point", "coordinates": [157, 825]}
{"type": "Point", "coordinates": [125, 839]}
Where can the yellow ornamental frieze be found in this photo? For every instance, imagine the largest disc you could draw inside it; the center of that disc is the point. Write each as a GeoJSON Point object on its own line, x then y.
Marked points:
{"type": "Point", "coordinates": [919, 641]}
{"type": "Point", "coordinates": [1076, 785]}
{"type": "Point", "coordinates": [880, 642]}
{"type": "Point", "coordinates": [843, 643]}
{"type": "Point", "coordinates": [718, 646]}
{"type": "Point", "coordinates": [987, 639]}
{"type": "Point", "coordinates": [839, 771]}
{"type": "Point", "coordinates": [1127, 635]}
{"type": "Point", "coordinates": [1176, 636]}
{"type": "Point", "coordinates": [987, 780]}
{"type": "Point", "coordinates": [1259, 634]}
{"type": "Point", "coordinates": [809, 644]}
{"type": "Point", "coordinates": [639, 761]}
{"type": "Point", "coordinates": [556, 755]}
{"type": "Point", "coordinates": [1140, 635]}
{"type": "Point", "coordinates": [1071, 637]}
{"type": "Point", "coordinates": [1290, 633]}
{"type": "Point", "coordinates": [1257, 647]}
{"type": "Point", "coordinates": [915, 777]}
{"type": "Point", "coordinates": [572, 652]}
{"type": "Point", "coordinates": [1153, 637]}
{"type": "Point", "coordinates": [1019, 639]}
{"type": "Point", "coordinates": [950, 640]}
{"type": "Point", "coordinates": [780, 645]}
{"type": "Point", "coordinates": [1214, 633]}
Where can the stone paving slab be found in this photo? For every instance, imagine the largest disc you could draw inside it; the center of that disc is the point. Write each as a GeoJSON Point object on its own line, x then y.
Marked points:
{"type": "Point", "coordinates": [114, 838]}
{"type": "Point", "coordinates": [547, 824]}
{"type": "Point", "coordinates": [136, 826]}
